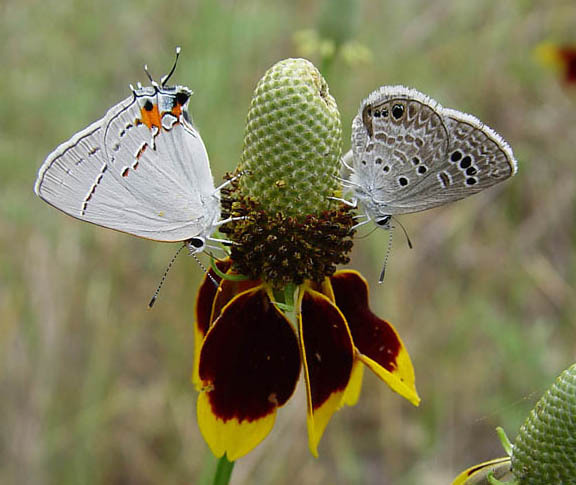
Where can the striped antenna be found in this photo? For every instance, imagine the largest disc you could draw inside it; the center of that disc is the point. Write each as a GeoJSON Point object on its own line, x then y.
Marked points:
{"type": "Point", "coordinates": [388, 249]}
{"type": "Point", "coordinates": [205, 270]}
{"type": "Point", "coordinates": [153, 300]}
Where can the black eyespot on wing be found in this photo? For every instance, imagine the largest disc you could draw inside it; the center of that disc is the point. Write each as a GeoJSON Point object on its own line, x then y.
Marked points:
{"type": "Point", "coordinates": [456, 156]}
{"type": "Point", "coordinates": [148, 105]}
{"type": "Point", "coordinates": [397, 111]}
{"type": "Point", "coordinates": [386, 168]}
{"type": "Point", "coordinates": [384, 113]}
{"type": "Point", "coordinates": [471, 171]}
{"type": "Point", "coordinates": [378, 161]}
{"type": "Point", "coordinates": [403, 181]}
{"type": "Point", "coordinates": [471, 181]}
{"type": "Point", "coordinates": [377, 114]}
{"type": "Point", "coordinates": [421, 169]}
{"type": "Point", "coordinates": [465, 162]}
{"type": "Point", "coordinates": [181, 98]}
{"type": "Point", "coordinates": [415, 160]}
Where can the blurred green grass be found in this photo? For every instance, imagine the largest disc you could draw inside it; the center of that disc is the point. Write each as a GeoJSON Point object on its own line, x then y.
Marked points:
{"type": "Point", "coordinates": [95, 389]}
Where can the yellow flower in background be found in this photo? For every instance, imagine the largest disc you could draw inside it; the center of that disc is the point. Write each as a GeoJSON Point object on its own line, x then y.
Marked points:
{"type": "Point", "coordinates": [561, 57]}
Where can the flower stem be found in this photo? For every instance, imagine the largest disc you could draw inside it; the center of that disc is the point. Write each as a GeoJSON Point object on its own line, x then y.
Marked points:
{"type": "Point", "coordinates": [223, 471]}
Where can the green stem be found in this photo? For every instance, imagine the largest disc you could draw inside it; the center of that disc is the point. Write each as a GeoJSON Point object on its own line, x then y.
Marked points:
{"type": "Point", "coordinates": [227, 276]}
{"type": "Point", "coordinates": [223, 471]}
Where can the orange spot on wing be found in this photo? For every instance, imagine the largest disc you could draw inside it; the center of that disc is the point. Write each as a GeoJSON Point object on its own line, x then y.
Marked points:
{"type": "Point", "coordinates": [150, 117]}
{"type": "Point", "coordinates": [177, 110]}
{"type": "Point", "coordinates": [141, 152]}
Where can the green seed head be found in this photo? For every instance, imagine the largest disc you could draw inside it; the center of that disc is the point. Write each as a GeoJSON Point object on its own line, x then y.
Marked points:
{"type": "Point", "coordinates": [544, 452]}
{"type": "Point", "coordinates": [290, 229]}
{"type": "Point", "coordinates": [293, 141]}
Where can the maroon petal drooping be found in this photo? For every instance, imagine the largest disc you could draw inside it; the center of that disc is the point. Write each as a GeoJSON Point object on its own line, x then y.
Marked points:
{"type": "Point", "coordinates": [250, 362]}
{"type": "Point", "coordinates": [372, 336]}
{"type": "Point", "coordinates": [568, 57]}
{"type": "Point", "coordinates": [378, 344]}
{"type": "Point", "coordinates": [329, 356]}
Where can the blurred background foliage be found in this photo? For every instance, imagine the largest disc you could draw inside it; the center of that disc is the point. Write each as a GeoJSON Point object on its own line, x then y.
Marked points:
{"type": "Point", "coordinates": [95, 389]}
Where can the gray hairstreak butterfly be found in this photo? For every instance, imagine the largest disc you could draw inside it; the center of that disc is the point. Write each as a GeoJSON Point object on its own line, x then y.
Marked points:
{"type": "Point", "coordinates": [410, 154]}
{"type": "Point", "coordinates": [142, 169]}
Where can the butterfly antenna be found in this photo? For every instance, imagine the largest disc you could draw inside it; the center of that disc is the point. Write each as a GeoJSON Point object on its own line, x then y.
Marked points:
{"type": "Point", "coordinates": [153, 300]}
{"type": "Point", "coordinates": [165, 78]}
{"type": "Point", "coordinates": [405, 234]}
{"type": "Point", "coordinates": [388, 249]}
{"type": "Point", "coordinates": [216, 284]}
{"type": "Point", "coordinates": [148, 74]}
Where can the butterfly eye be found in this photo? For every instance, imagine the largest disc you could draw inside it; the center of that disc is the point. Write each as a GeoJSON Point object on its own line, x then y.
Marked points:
{"type": "Point", "coordinates": [384, 221]}
{"type": "Point", "coordinates": [397, 111]}
{"type": "Point", "coordinates": [197, 243]}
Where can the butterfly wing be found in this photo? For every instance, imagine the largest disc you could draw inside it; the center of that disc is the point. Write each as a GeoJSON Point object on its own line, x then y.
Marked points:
{"type": "Point", "coordinates": [142, 169]}
{"type": "Point", "coordinates": [411, 154]}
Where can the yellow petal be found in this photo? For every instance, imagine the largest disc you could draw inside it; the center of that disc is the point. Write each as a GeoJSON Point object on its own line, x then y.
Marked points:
{"type": "Point", "coordinates": [232, 437]}
{"type": "Point", "coordinates": [377, 343]}
{"type": "Point", "coordinates": [401, 380]}
{"type": "Point", "coordinates": [352, 392]}
{"type": "Point", "coordinates": [478, 474]}
{"type": "Point", "coordinates": [249, 366]}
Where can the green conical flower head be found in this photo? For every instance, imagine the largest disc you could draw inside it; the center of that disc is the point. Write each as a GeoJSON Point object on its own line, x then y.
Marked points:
{"type": "Point", "coordinates": [544, 452]}
{"type": "Point", "coordinates": [286, 226]}
{"type": "Point", "coordinates": [292, 143]}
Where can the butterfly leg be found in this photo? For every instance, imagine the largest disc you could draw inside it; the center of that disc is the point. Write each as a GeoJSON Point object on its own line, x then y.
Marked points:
{"type": "Point", "coordinates": [346, 159]}
{"type": "Point", "coordinates": [349, 203]}
{"type": "Point", "coordinates": [228, 182]}
{"type": "Point", "coordinates": [223, 241]}
{"type": "Point", "coordinates": [361, 223]}
{"type": "Point", "coordinates": [219, 248]}
{"type": "Point", "coordinates": [230, 219]}
{"type": "Point", "coordinates": [348, 184]}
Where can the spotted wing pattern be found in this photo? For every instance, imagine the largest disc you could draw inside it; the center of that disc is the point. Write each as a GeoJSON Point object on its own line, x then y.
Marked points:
{"type": "Point", "coordinates": [411, 154]}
